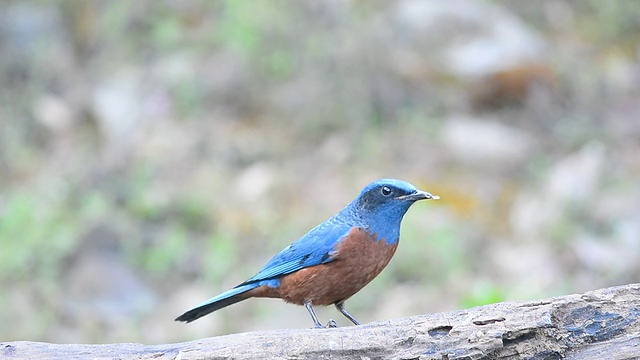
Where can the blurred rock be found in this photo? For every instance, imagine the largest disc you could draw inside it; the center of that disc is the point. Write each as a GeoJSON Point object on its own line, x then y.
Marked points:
{"type": "Point", "coordinates": [622, 119]}
{"type": "Point", "coordinates": [622, 73]}
{"type": "Point", "coordinates": [254, 182]}
{"type": "Point", "coordinates": [485, 142]}
{"type": "Point", "coordinates": [167, 142]}
{"type": "Point", "coordinates": [116, 103]}
{"type": "Point", "coordinates": [572, 180]}
{"type": "Point", "coordinates": [532, 213]}
{"type": "Point", "coordinates": [575, 178]}
{"type": "Point", "coordinates": [53, 113]}
{"type": "Point", "coordinates": [175, 69]}
{"type": "Point", "coordinates": [530, 268]}
{"type": "Point", "coordinates": [476, 38]}
{"type": "Point", "coordinates": [603, 258]}
{"type": "Point", "coordinates": [335, 149]}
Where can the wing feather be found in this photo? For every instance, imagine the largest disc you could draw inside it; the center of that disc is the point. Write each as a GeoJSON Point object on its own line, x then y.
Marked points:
{"type": "Point", "coordinates": [314, 248]}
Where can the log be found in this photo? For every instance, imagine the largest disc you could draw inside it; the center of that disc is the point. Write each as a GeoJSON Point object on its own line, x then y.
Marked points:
{"type": "Point", "coordinates": [601, 324]}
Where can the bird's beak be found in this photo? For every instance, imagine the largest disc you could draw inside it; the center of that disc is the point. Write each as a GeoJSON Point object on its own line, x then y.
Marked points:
{"type": "Point", "coordinates": [419, 195]}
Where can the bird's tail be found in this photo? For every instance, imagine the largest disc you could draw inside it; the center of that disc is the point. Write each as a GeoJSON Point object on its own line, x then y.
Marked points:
{"type": "Point", "coordinates": [225, 299]}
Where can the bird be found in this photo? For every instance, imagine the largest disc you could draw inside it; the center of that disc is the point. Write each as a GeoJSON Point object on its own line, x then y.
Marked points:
{"type": "Point", "coordinates": [332, 261]}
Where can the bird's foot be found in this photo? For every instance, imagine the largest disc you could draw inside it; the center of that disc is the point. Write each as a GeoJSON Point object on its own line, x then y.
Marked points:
{"type": "Point", "coordinates": [331, 324]}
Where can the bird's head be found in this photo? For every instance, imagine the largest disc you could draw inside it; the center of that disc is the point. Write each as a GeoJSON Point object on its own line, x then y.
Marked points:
{"type": "Point", "coordinates": [382, 204]}
{"type": "Point", "coordinates": [390, 195]}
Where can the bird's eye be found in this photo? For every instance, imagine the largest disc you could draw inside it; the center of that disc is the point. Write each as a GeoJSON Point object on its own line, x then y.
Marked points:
{"type": "Point", "coordinates": [386, 191]}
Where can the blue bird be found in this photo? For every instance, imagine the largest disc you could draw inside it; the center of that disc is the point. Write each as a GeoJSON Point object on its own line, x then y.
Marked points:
{"type": "Point", "coordinates": [335, 259]}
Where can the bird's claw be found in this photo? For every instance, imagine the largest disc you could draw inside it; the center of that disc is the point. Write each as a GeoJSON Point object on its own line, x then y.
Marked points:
{"type": "Point", "coordinates": [331, 324]}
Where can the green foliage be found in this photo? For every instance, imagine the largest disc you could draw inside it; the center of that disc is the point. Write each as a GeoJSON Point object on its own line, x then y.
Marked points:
{"type": "Point", "coordinates": [35, 233]}
{"type": "Point", "coordinates": [611, 21]}
{"type": "Point", "coordinates": [188, 96]}
{"type": "Point", "coordinates": [240, 25]}
{"type": "Point", "coordinates": [482, 293]}
{"type": "Point", "coordinates": [38, 230]}
{"type": "Point", "coordinates": [167, 31]}
{"type": "Point", "coordinates": [141, 202]}
{"type": "Point", "coordinates": [220, 257]}
{"type": "Point", "coordinates": [167, 253]}
{"type": "Point", "coordinates": [192, 213]}
{"type": "Point", "coordinates": [114, 23]}
{"type": "Point", "coordinates": [280, 64]}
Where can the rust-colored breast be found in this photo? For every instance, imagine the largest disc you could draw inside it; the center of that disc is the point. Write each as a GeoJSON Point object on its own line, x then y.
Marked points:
{"type": "Point", "coordinates": [358, 259]}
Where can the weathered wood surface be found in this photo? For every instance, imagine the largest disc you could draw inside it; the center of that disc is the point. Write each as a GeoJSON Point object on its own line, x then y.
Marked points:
{"type": "Point", "coordinates": [602, 324]}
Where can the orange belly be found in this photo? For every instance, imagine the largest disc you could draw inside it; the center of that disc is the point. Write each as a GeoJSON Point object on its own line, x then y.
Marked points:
{"type": "Point", "coordinates": [358, 259]}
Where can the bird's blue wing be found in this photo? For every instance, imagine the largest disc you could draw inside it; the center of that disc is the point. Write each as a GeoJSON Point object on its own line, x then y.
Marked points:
{"type": "Point", "coordinates": [312, 249]}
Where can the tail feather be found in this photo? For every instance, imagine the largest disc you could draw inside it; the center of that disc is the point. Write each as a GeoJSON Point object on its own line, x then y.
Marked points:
{"type": "Point", "coordinates": [225, 299]}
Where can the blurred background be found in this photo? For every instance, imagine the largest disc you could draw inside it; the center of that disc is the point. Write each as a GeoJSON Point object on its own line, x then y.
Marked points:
{"type": "Point", "coordinates": [156, 153]}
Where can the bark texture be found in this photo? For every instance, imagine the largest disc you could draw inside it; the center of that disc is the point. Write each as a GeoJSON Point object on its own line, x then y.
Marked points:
{"type": "Point", "coordinates": [601, 324]}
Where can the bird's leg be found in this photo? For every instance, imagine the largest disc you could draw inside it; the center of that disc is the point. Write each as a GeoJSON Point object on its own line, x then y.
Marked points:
{"type": "Point", "coordinates": [340, 306]}
{"type": "Point", "coordinates": [307, 304]}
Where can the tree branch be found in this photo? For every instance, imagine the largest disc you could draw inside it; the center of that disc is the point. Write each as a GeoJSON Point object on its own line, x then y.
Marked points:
{"type": "Point", "coordinates": [601, 324]}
